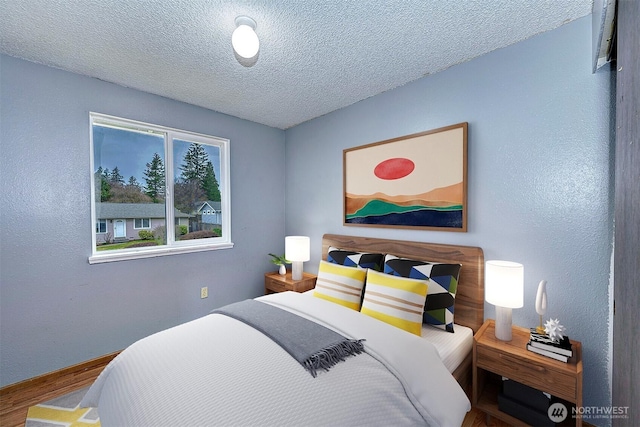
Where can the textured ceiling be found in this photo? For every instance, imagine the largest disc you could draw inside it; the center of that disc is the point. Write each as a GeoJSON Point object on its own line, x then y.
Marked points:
{"type": "Point", "coordinates": [316, 56]}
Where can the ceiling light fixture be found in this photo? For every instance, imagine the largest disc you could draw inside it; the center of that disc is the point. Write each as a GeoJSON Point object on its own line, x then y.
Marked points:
{"type": "Point", "coordinates": [244, 38]}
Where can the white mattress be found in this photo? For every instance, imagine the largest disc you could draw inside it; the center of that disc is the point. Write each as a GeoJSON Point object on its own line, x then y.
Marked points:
{"type": "Point", "coordinates": [453, 348]}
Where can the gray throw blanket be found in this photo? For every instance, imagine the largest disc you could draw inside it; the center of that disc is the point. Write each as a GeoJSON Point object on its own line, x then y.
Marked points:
{"type": "Point", "coordinates": [312, 345]}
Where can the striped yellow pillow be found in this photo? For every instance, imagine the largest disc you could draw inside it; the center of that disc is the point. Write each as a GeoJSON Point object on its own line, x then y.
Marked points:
{"type": "Point", "coordinates": [398, 301]}
{"type": "Point", "coordinates": [340, 284]}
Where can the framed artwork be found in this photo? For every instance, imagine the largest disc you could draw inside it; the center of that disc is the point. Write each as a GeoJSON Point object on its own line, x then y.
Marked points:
{"type": "Point", "coordinates": [415, 181]}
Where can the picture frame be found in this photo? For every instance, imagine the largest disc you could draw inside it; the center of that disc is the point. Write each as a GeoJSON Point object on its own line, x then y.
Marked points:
{"type": "Point", "coordinates": [417, 181]}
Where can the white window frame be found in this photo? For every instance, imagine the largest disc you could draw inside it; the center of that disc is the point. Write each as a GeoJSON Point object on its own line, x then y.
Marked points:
{"type": "Point", "coordinates": [98, 222]}
{"type": "Point", "coordinates": [172, 246]}
{"type": "Point", "coordinates": [142, 222]}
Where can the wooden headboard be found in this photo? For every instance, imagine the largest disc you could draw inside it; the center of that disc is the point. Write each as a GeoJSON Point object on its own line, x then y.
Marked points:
{"type": "Point", "coordinates": [469, 306]}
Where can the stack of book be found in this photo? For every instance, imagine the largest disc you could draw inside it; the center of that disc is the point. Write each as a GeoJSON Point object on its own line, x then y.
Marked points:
{"type": "Point", "coordinates": [542, 344]}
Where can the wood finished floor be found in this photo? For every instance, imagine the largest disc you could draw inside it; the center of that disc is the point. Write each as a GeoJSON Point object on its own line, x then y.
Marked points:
{"type": "Point", "coordinates": [15, 401]}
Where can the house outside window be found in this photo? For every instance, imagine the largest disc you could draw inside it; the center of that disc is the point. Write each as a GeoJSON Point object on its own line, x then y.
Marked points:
{"type": "Point", "coordinates": [146, 176]}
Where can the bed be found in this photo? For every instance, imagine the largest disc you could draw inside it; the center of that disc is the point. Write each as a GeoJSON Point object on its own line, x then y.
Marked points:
{"type": "Point", "coordinates": [217, 370]}
{"type": "Point", "coordinates": [469, 301]}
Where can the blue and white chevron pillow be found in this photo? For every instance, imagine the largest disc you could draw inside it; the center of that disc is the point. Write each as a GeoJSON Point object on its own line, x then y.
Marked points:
{"type": "Point", "coordinates": [355, 259]}
{"type": "Point", "coordinates": [443, 284]}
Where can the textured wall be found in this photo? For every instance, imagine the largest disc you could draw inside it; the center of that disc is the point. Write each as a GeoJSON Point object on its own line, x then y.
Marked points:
{"type": "Point", "coordinates": [56, 309]}
{"type": "Point", "coordinates": [539, 174]}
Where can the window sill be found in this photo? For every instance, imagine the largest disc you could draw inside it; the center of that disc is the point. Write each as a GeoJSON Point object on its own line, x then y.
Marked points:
{"type": "Point", "coordinates": [152, 253]}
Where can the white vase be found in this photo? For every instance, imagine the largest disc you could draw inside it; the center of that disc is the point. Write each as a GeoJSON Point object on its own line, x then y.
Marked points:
{"type": "Point", "coordinates": [282, 270]}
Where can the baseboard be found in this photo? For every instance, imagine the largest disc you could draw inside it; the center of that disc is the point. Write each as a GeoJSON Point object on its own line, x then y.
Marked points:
{"type": "Point", "coordinates": [53, 376]}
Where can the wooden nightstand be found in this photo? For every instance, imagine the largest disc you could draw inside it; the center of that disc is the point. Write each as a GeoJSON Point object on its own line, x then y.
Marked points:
{"type": "Point", "coordinates": [512, 360]}
{"type": "Point", "coordinates": [274, 282]}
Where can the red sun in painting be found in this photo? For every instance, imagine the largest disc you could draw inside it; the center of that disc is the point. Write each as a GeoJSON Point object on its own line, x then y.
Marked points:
{"type": "Point", "coordinates": [395, 168]}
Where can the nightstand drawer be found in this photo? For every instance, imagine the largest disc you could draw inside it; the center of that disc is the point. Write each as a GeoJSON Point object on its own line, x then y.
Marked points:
{"type": "Point", "coordinates": [276, 286]}
{"type": "Point", "coordinates": [537, 374]}
{"type": "Point", "coordinates": [274, 282]}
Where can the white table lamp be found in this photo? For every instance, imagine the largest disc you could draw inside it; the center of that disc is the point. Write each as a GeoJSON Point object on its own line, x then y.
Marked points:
{"type": "Point", "coordinates": [297, 250]}
{"type": "Point", "coordinates": [504, 288]}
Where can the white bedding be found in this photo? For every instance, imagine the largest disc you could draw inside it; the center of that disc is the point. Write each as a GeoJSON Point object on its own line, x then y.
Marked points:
{"type": "Point", "coordinates": [218, 371]}
{"type": "Point", "coordinates": [453, 348]}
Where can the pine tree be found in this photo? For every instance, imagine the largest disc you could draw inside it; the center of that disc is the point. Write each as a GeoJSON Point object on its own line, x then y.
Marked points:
{"type": "Point", "coordinates": [196, 167]}
{"type": "Point", "coordinates": [210, 184]}
{"type": "Point", "coordinates": [154, 177]}
{"type": "Point", "coordinates": [103, 188]}
{"type": "Point", "coordinates": [195, 163]}
{"type": "Point", "coordinates": [115, 177]}
{"type": "Point", "coordinates": [133, 182]}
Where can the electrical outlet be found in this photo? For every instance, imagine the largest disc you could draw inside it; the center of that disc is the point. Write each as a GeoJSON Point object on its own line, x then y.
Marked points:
{"type": "Point", "coordinates": [204, 292]}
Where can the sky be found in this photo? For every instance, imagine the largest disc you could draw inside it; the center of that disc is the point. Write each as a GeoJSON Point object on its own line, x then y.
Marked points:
{"type": "Point", "coordinates": [130, 151]}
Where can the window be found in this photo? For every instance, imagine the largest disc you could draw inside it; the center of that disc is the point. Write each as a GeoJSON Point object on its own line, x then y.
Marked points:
{"type": "Point", "coordinates": [142, 223]}
{"type": "Point", "coordinates": [146, 176]}
{"type": "Point", "coordinates": [101, 226]}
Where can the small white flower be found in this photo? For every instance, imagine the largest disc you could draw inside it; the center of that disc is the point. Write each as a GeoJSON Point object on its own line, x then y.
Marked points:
{"type": "Point", "coordinates": [554, 329]}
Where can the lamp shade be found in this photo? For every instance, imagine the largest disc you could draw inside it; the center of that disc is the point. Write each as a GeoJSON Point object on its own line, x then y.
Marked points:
{"type": "Point", "coordinates": [297, 248]}
{"type": "Point", "coordinates": [504, 284]}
